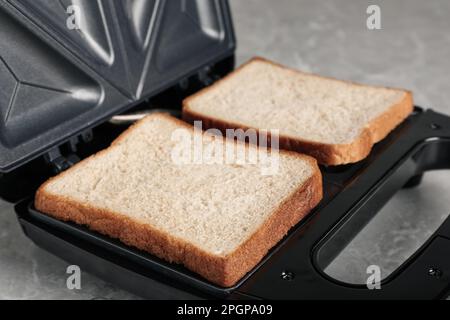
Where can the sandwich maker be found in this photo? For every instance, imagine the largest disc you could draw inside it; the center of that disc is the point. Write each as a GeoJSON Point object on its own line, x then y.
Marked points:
{"type": "Point", "coordinates": [67, 67]}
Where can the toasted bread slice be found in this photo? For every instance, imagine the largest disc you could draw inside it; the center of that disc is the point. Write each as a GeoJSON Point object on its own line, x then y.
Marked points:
{"type": "Point", "coordinates": [219, 220]}
{"type": "Point", "coordinates": [337, 122]}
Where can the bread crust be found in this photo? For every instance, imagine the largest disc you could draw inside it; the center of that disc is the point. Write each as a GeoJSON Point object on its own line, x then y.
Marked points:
{"type": "Point", "coordinates": [326, 154]}
{"type": "Point", "coordinates": [224, 271]}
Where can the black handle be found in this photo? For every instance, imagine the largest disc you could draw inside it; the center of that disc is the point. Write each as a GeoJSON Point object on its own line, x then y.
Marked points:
{"type": "Point", "coordinates": [428, 270]}
{"type": "Point", "coordinates": [419, 145]}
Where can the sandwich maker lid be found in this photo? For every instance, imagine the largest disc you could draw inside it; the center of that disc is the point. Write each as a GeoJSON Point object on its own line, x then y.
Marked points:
{"type": "Point", "coordinates": [66, 66]}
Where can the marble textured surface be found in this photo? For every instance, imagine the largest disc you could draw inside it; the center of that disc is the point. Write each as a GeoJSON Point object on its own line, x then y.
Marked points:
{"type": "Point", "coordinates": [329, 37]}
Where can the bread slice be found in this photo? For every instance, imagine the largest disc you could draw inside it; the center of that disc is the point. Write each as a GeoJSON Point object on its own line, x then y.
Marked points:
{"type": "Point", "coordinates": [219, 220]}
{"type": "Point", "coordinates": [336, 122]}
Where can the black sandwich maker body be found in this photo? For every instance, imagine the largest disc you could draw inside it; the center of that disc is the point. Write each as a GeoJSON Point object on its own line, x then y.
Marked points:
{"type": "Point", "coordinates": [67, 67]}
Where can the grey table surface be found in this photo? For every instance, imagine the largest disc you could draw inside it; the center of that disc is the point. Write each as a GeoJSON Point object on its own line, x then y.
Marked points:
{"type": "Point", "coordinates": [329, 37]}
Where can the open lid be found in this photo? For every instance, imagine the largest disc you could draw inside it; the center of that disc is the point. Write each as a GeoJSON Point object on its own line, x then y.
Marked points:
{"type": "Point", "coordinates": [68, 65]}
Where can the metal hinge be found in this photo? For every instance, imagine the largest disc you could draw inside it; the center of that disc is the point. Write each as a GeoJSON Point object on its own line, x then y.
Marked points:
{"type": "Point", "coordinates": [60, 161]}
{"type": "Point", "coordinates": [207, 77]}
